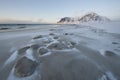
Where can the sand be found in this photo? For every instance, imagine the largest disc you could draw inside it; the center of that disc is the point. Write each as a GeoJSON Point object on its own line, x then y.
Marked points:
{"type": "Point", "coordinates": [73, 53]}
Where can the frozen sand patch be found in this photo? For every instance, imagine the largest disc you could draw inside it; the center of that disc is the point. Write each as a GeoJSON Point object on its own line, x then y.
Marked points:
{"type": "Point", "coordinates": [34, 76]}
{"type": "Point", "coordinates": [25, 67]}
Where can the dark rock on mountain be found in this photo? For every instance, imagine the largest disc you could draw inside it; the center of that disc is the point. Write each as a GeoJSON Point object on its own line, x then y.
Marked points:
{"type": "Point", "coordinates": [66, 19]}
{"type": "Point", "coordinates": [93, 17]}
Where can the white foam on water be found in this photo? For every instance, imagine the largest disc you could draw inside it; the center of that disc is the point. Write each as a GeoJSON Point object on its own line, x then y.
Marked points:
{"type": "Point", "coordinates": [29, 54]}
{"type": "Point", "coordinates": [11, 58]}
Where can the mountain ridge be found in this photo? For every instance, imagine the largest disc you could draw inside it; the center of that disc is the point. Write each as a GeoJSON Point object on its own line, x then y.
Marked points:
{"type": "Point", "coordinates": [89, 17]}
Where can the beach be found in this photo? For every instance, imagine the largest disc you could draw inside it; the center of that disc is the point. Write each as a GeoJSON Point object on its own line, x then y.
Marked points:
{"type": "Point", "coordinates": [61, 52]}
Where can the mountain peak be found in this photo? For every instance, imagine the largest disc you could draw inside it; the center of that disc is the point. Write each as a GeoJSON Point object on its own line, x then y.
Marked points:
{"type": "Point", "coordinates": [89, 17]}
{"type": "Point", "coordinates": [92, 13]}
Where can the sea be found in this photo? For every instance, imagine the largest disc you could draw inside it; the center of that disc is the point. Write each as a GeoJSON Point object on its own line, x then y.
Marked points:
{"type": "Point", "coordinates": [21, 26]}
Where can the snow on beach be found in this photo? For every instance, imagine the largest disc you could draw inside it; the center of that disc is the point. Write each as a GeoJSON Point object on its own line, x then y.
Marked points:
{"type": "Point", "coordinates": [89, 51]}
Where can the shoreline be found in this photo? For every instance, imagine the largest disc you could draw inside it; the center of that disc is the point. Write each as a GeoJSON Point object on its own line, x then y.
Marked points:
{"type": "Point", "coordinates": [35, 28]}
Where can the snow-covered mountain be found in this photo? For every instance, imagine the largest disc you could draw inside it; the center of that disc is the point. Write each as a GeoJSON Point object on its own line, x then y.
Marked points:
{"type": "Point", "coordinates": [90, 17]}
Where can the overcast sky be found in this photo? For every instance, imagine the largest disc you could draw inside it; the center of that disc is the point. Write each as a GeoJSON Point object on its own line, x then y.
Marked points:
{"type": "Point", "coordinates": [53, 10]}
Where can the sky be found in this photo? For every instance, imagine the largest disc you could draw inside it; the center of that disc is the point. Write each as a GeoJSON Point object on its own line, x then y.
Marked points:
{"type": "Point", "coordinates": [52, 10]}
